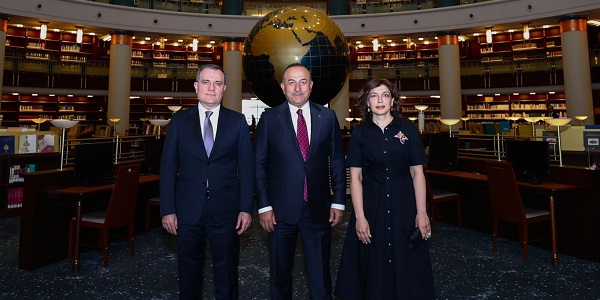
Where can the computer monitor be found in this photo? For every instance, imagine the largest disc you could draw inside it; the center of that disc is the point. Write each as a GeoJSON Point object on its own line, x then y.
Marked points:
{"type": "Point", "coordinates": [443, 152]}
{"type": "Point", "coordinates": [152, 155]}
{"type": "Point", "coordinates": [530, 159]}
{"type": "Point", "coordinates": [94, 163]}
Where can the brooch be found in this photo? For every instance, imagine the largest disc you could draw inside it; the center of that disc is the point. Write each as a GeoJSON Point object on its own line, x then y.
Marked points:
{"type": "Point", "coordinates": [401, 136]}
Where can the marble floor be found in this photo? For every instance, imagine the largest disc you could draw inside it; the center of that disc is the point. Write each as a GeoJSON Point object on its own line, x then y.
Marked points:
{"type": "Point", "coordinates": [463, 264]}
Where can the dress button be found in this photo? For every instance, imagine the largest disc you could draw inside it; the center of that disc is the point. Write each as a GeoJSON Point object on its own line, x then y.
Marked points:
{"type": "Point", "coordinates": [389, 244]}
{"type": "Point", "coordinates": [390, 260]}
{"type": "Point", "coordinates": [388, 211]}
{"type": "Point", "coordinates": [388, 195]}
{"type": "Point", "coordinates": [389, 228]}
{"type": "Point", "coordinates": [384, 151]}
{"type": "Point", "coordinates": [387, 178]}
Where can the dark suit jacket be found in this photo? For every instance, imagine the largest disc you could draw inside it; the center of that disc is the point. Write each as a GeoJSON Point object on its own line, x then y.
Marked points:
{"type": "Point", "coordinates": [185, 168]}
{"type": "Point", "coordinates": [280, 167]}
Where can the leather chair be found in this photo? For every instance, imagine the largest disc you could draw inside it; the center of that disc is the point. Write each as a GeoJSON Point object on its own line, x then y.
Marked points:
{"type": "Point", "coordinates": [120, 212]}
{"type": "Point", "coordinates": [507, 205]}
{"type": "Point", "coordinates": [436, 197]}
{"type": "Point", "coordinates": [152, 202]}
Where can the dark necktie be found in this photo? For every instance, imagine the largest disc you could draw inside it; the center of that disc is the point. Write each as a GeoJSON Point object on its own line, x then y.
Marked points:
{"type": "Point", "coordinates": [302, 136]}
{"type": "Point", "coordinates": [209, 140]}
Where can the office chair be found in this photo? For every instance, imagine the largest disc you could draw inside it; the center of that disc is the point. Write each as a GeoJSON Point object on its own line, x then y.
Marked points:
{"type": "Point", "coordinates": [436, 197]}
{"type": "Point", "coordinates": [152, 202]}
{"type": "Point", "coordinates": [120, 211]}
{"type": "Point", "coordinates": [507, 205]}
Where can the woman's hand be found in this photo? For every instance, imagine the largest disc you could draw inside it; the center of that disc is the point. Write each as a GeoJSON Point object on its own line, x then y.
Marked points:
{"type": "Point", "coordinates": [422, 221]}
{"type": "Point", "coordinates": [363, 231]}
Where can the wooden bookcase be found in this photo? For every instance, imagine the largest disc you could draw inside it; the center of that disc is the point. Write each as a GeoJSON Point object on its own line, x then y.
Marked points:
{"type": "Point", "coordinates": [42, 161]}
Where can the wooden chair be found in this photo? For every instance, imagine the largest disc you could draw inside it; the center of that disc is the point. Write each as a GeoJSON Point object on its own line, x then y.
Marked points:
{"type": "Point", "coordinates": [436, 197]}
{"type": "Point", "coordinates": [507, 205]}
{"type": "Point", "coordinates": [152, 202]}
{"type": "Point", "coordinates": [120, 211]}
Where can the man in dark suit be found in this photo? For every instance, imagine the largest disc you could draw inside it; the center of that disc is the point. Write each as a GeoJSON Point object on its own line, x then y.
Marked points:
{"type": "Point", "coordinates": [298, 147]}
{"type": "Point", "coordinates": [207, 186]}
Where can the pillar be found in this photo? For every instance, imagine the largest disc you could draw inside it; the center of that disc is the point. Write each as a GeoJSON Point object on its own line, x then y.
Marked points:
{"type": "Point", "coordinates": [232, 7]}
{"type": "Point", "coordinates": [3, 29]}
{"type": "Point", "coordinates": [232, 64]}
{"type": "Point", "coordinates": [119, 80]}
{"type": "Point", "coordinates": [450, 89]}
{"type": "Point", "coordinates": [341, 103]}
{"type": "Point", "coordinates": [338, 7]}
{"type": "Point", "coordinates": [576, 67]}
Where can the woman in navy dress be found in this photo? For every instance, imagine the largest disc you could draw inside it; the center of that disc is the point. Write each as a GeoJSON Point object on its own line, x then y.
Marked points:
{"type": "Point", "coordinates": [387, 183]}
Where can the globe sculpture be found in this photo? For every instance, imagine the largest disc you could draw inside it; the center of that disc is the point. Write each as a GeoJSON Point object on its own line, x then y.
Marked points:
{"type": "Point", "coordinates": [295, 34]}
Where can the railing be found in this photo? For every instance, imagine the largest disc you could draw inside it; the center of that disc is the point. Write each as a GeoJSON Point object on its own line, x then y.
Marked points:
{"type": "Point", "coordinates": [494, 146]}
{"type": "Point", "coordinates": [261, 8]}
{"type": "Point", "coordinates": [127, 148]}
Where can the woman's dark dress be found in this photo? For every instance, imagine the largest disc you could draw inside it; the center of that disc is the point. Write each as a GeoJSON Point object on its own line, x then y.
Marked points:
{"type": "Point", "coordinates": [386, 268]}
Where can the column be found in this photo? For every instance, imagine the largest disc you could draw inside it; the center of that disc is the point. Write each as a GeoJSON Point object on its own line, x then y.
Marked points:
{"type": "Point", "coordinates": [3, 28]}
{"type": "Point", "coordinates": [341, 103]}
{"type": "Point", "coordinates": [119, 80]}
{"type": "Point", "coordinates": [576, 67]}
{"type": "Point", "coordinates": [232, 7]}
{"type": "Point", "coordinates": [338, 7]}
{"type": "Point", "coordinates": [232, 64]}
{"type": "Point", "coordinates": [450, 90]}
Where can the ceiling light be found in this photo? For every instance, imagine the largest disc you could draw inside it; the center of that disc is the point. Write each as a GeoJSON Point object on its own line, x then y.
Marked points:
{"type": "Point", "coordinates": [515, 94]}
{"type": "Point", "coordinates": [594, 22]}
{"type": "Point", "coordinates": [43, 30]}
{"type": "Point", "coordinates": [551, 93]}
{"type": "Point", "coordinates": [195, 44]}
{"type": "Point", "coordinates": [34, 95]}
{"type": "Point", "coordinates": [526, 31]}
{"type": "Point", "coordinates": [388, 41]}
{"type": "Point", "coordinates": [375, 44]}
{"type": "Point", "coordinates": [488, 35]}
{"type": "Point", "coordinates": [546, 26]}
{"type": "Point", "coordinates": [180, 41]}
{"type": "Point", "coordinates": [79, 35]}
{"type": "Point", "coordinates": [147, 38]}
{"type": "Point", "coordinates": [19, 25]}
{"type": "Point", "coordinates": [511, 30]}
{"type": "Point", "coordinates": [358, 42]}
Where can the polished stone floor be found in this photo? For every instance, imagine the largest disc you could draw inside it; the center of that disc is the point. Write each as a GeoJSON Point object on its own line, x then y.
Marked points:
{"type": "Point", "coordinates": [463, 264]}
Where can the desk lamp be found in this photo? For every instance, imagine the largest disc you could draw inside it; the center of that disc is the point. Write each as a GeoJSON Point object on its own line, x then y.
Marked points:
{"type": "Point", "coordinates": [514, 119]}
{"type": "Point", "coordinates": [465, 119]}
{"type": "Point", "coordinates": [581, 119]}
{"type": "Point", "coordinates": [559, 122]}
{"type": "Point", "coordinates": [39, 122]}
{"type": "Point", "coordinates": [413, 119]}
{"type": "Point", "coordinates": [159, 123]}
{"type": "Point", "coordinates": [115, 121]}
{"type": "Point", "coordinates": [63, 125]}
{"type": "Point", "coordinates": [449, 122]}
{"type": "Point", "coordinates": [533, 120]}
{"type": "Point", "coordinates": [349, 122]}
{"type": "Point", "coordinates": [174, 108]}
{"type": "Point", "coordinates": [421, 108]}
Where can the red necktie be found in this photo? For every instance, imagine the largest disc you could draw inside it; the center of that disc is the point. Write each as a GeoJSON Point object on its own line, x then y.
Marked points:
{"type": "Point", "coordinates": [302, 136]}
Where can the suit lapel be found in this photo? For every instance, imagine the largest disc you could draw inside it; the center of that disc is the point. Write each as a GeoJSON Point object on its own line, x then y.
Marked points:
{"type": "Point", "coordinates": [285, 120]}
{"type": "Point", "coordinates": [222, 128]}
{"type": "Point", "coordinates": [316, 124]}
{"type": "Point", "coordinates": [194, 125]}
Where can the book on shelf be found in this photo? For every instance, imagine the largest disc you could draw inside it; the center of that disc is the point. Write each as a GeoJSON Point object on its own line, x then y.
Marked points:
{"type": "Point", "coordinates": [7, 144]}
{"type": "Point", "coordinates": [15, 197]}
{"type": "Point", "coordinates": [27, 143]}
{"type": "Point", "coordinates": [45, 143]}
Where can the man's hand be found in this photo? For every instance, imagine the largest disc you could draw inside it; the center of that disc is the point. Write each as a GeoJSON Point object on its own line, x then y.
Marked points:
{"type": "Point", "coordinates": [267, 220]}
{"type": "Point", "coordinates": [335, 216]}
{"type": "Point", "coordinates": [169, 222]}
{"type": "Point", "coordinates": [243, 222]}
